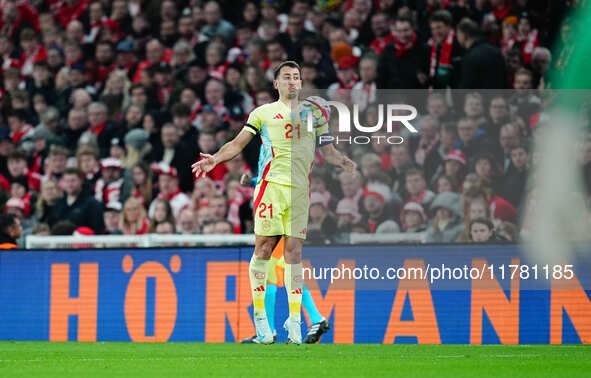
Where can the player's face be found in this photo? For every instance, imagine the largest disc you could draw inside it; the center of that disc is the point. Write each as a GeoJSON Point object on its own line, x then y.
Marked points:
{"type": "Point", "coordinates": [288, 82]}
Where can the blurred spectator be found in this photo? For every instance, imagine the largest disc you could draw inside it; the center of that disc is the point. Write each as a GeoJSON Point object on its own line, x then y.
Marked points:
{"type": "Point", "coordinates": [50, 193]}
{"type": "Point", "coordinates": [321, 225]}
{"type": "Point", "coordinates": [447, 223]}
{"type": "Point", "coordinates": [515, 180]}
{"type": "Point", "coordinates": [482, 231]}
{"type": "Point", "coordinates": [165, 227]}
{"type": "Point", "coordinates": [168, 185]}
{"type": "Point", "coordinates": [187, 222]}
{"type": "Point", "coordinates": [108, 186]}
{"type": "Point", "coordinates": [112, 218]}
{"type": "Point", "coordinates": [413, 217]}
{"type": "Point", "coordinates": [416, 187]}
{"type": "Point", "coordinates": [75, 206]}
{"type": "Point", "coordinates": [162, 212]}
{"type": "Point", "coordinates": [445, 51]}
{"type": "Point", "coordinates": [376, 198]}
{"type": "Point", "coordinates": [402, 62]}
{"type": "Point", "coordinates": [483, 65]}
{"type": "Point", "coordinates": [10, 231]}
{"type": "Point", "coordinates": [133, 220]}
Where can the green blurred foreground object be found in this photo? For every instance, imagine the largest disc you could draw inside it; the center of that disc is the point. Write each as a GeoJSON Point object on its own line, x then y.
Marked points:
{"type": "Point", "coordinates": [44, 359]}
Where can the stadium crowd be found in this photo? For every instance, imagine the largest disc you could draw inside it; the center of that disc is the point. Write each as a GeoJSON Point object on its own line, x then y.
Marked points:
{"type": "Point", "coordinates": [105, 105]}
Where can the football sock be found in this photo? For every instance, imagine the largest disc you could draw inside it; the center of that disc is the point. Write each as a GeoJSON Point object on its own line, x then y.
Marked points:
{"type": "Point", "coordinates": [270, 305]}
{"type": "Point", "coordinates": [257, 272]}
{"type": "Point", "coordinates": [310, 306]}
{"type": "Point", "coordinates": [293, 280]}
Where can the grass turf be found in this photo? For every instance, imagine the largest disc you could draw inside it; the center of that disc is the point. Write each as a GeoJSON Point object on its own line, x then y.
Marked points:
{"type": "Point", "coordinates": [43, 359]}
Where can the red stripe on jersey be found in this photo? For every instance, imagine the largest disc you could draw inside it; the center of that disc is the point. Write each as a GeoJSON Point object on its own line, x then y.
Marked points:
{"type": "Point", "coordinates": [260, 195]}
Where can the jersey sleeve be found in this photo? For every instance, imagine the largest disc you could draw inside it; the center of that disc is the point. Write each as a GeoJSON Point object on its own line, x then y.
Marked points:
{"type": "Point", "coordinates": [324, 132]}
{"type": "Point", "coordinates": [254, 122]}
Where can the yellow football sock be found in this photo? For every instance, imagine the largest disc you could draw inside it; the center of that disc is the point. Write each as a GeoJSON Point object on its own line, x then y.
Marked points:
{"type": "Point", "coordinates": [258, 281]}
{"type": "Point", "coordinates": [293, 280]}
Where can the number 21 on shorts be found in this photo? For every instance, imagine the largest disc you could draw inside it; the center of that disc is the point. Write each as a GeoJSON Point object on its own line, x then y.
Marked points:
{"type": "Point", "coordinates": [265, 210]}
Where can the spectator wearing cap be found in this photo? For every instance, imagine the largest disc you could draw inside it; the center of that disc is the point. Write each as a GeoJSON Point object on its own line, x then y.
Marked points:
{"type": "Point", "coordinates": [18, 166]}
{"type": "Point", "coordinates": [108, 186]}
{"type": "Point", "coordinates": [322, 226]}
{"type": "Point", "coordinates": [112, 218]}
{"type": "Point", "coordinates": [413, 217]}
{"type": "Point", "coordinates": [376, 198]}
{"type": "Point", "coordinates": [10, 231]}
{"type": "Point", "coordinates": [447, 224]}
{"type": "Point", "coordinates": [75, 206]}
{"type": "Point", "coordinates": [56, 161]}
{"type": "Point", "coordinates": [347, 215]}
{"type": "Point", "coordinates": [100, 129]}
{"type": "Point", "coordinates": [137, 147]}
{"type": "Point", "coordinates": [483, 65]}
{"type": "Point", "coordinates": [215, 24]}
{"type": "Point", "coordinates": [171, 152]}
{"type": "Point", "coordinates": [168, 185]}
{"type": "Point", "coordinates": [134, 220]}
{"type": "Point", "coordinates": [125, 58]}
{"type": "Point", "coordinates": [445, 51]}
{"type": "Point", "coordinates": [346, 79]}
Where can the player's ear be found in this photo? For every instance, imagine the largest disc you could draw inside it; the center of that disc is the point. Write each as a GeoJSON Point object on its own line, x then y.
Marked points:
{"type": "Point", "coordinates": [275, 84]}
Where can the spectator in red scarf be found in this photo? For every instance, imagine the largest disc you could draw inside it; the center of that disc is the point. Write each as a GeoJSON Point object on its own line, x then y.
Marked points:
{"type": "Point", "coordinates": [445, 51]}
{"type": "Point", "coordinates": [17, 122]}
{"type": "Point", "coordinates": [168, 184]}
{"type": "Point", "coordinates": [402, 63]}
{"type": "Point", "coordinates": [33, 51]}
{"type": "Point", "coordinates": [346, 78]}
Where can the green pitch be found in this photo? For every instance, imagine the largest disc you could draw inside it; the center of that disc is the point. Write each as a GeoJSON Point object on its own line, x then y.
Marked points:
{"type": "Point", "coordinates": [42, 359]}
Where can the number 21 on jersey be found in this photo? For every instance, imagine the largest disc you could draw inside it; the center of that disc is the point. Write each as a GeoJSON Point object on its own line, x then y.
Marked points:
{"type": "Point", "coordinates": [265, 210]}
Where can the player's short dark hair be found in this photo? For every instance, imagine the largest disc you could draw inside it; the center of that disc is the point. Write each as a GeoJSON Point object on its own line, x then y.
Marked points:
{"type": "Point", "coordinates": [441, 16]}
{"type": "Point", "coordinates": [469, 28]}
{"type": "Point", "coordinates": [6, 221]}
{"type": "Point", "coordinates": [287, 63]}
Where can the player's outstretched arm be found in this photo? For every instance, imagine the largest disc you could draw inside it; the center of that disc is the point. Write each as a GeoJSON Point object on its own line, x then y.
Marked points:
{"type": "Point", "coordinates": [336, 157]}
{"type": "Point", "coordinates": [227, 152]}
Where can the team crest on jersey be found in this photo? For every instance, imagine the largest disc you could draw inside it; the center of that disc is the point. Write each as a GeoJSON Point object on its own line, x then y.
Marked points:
{"type": "Point", "coordinates": [266, 225]}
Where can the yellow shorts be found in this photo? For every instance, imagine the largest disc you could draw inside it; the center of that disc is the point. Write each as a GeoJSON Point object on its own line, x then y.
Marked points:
{"type": "Point", "coordinates": [280, 210]}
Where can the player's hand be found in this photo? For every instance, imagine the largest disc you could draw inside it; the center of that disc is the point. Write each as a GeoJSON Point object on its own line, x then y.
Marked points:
{"type": "Point", "coordinates": [206, 164]}
{"type": "Point", "coordinates": [348, 165]}
{"type": "Point", "coordinates": [246, 179]}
